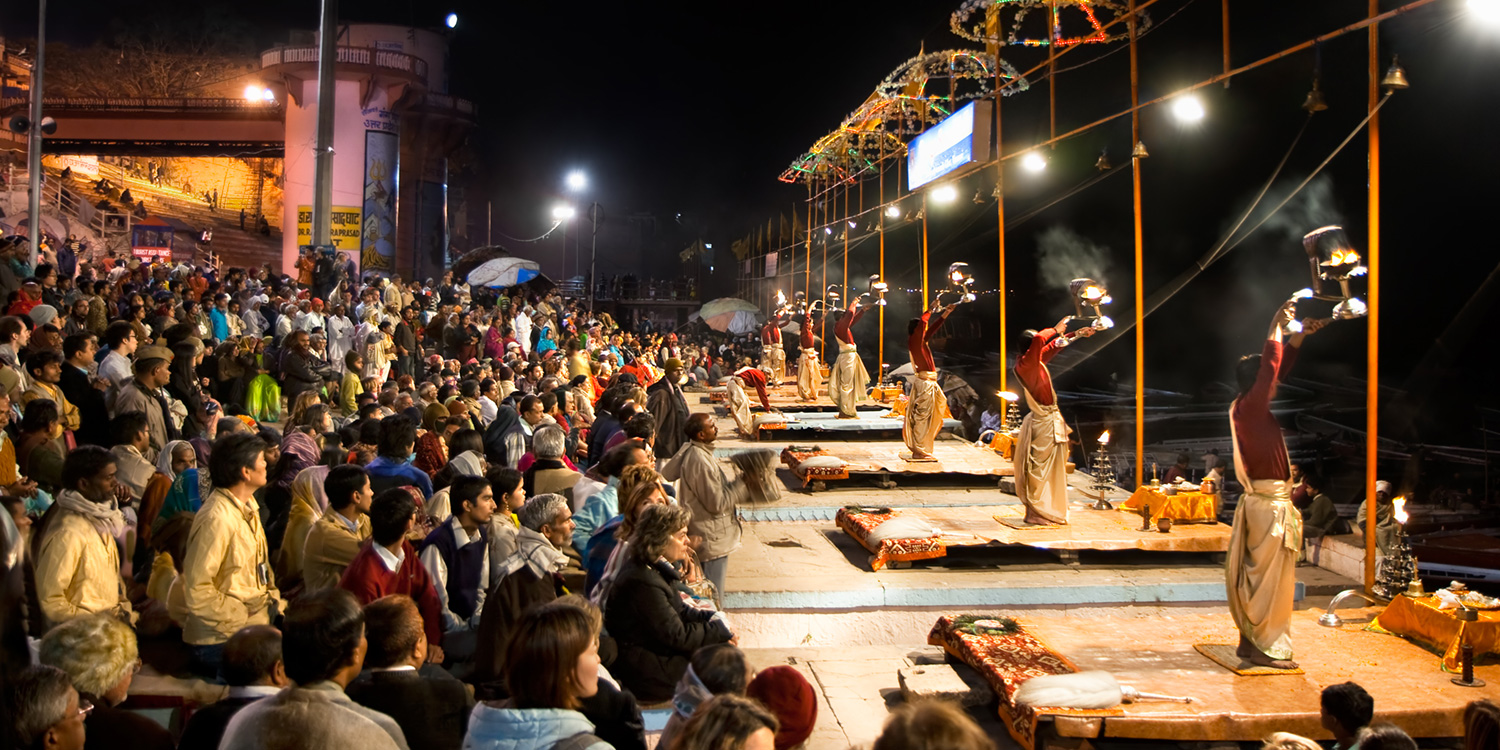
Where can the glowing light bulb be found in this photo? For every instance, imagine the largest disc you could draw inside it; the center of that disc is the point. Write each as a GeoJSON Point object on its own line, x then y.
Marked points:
{"type": "Point", "coordinates": [562, 213]}
{"type": "Point", "coordinates": [451, 21]}
{"type": "Point", "coordinates": [252, 93]}
{"type": "Point", "coordinates": [577, 180]}
{"type": "Point", "coordinates": [1487, 11]}
{"type": "Point", "coordinates": [945, 194]}
{"type": "Point", "coordinates": [1033, 162]}
{"type": "Point", "coordinates": [893, 211]}
{"type": "Point", "coordinates": [1187, 108]}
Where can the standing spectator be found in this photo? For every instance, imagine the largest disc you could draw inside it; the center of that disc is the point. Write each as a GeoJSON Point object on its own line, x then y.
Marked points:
{"type": "Point", "coordinates": [387, 564]}
{"type": "Point", "coordinates": [431, 706]}
{"type": "Point", "coordinates": [143, 393]}
{"type": "Point", "coordinates": [99, 654]}
{"type": "Point", "coordinates": [228, 580]}
{"type": "Point", "coordinates": [253, 670]}
{"type": "Point", "coordinates": [668, 406]}
{"type": "Point", "coordinates": [324, 649]}
{"type": "Point", "coordinates": [301, 370]}
{"type": "Point", "coordinates": [709, 496]}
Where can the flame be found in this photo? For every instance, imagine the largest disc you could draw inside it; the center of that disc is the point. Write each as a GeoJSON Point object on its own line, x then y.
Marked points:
{"type": "Point", "coordinates": [958, 277]}
{"type": "Point", "coordinates": [1008, 396]}
{"type": "Point", "coordinates": [1342, 256]}
{"type": "Point", "coordinates": [1104, 438]}
{"type": "Point", "coordinates": [780, 298]}
{"type": "Point", "coordinates": [1302, 294]}
{"type": "Point", "coordinates": [1092, 293]}
{"type": "Point", "coordinates": [1400, 512]}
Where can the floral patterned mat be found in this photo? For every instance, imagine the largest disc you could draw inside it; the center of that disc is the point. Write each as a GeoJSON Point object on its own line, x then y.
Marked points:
{"type": "Point", "coordinates": [858, 523]}
{"type": "Point", "coordinates": [1003, 652]}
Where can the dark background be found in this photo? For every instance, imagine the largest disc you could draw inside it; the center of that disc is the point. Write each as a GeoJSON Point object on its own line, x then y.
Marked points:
{"type": "Point", "coordinates": [688, 113]}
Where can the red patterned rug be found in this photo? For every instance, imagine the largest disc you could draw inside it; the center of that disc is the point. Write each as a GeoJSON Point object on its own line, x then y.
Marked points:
{"type": "Point", "coordinates": [1006, 660]}
{"type": "Point", "coordinates": [858, 524]}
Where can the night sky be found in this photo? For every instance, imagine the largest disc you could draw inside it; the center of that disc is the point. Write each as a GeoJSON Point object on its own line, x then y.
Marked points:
{"type": "Point", "coordinates": [695, 109]}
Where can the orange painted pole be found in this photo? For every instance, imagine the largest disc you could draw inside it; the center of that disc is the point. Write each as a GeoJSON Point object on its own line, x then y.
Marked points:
{"type": "Point", "coordinates": [807, 269]}
{"type": "Point", "coordinates": [828, 202]}
{"type": "Point", "coordinates": [1372, 262]}
{"type": "Point", "coordinates": [1140, 264]}
{"type": "Point", "coordinates": [880, 342]}
{"type": "Point", "coordinates": [924, 250]}
{"type": "Point", "coordinates": [1000, 222]}
{"type": "Point", "coordinates": [1224, 14]}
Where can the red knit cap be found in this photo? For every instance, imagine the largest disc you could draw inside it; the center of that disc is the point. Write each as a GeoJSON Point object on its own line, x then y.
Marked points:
{"type": "Point", "coordinates": [786, 692]}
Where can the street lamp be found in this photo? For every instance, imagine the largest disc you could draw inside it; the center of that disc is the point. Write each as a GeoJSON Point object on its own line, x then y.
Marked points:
{"type": "Point", "coordinates": [563, 212]}
{"type": "Point", "coordinates": [1033, 162]}
{"type": "Point", "coordinates": [577, 180]}
{"type": "Point", "coordinates": [1187, 108]}
{"type": "Point", "coordinates": [945, 194]}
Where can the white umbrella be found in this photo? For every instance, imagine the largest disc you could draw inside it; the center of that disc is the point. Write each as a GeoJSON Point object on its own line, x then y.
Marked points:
{"type": "Point", "coordinates": [504, 272]}
{"type": "Point", "coordinates": [725, 305]}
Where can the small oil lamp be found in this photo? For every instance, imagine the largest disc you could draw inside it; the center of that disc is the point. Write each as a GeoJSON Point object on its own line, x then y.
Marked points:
{"type": "Point", "coordinates": [1088, 295]}
{"type": "Point", "coordinates": [1398, 570]}
{"type": "Point", "coordinates": [1330, 257]}
{"type": "Point", "coordinates": [1104, 473]}
{"type": "Point", "coordinates": [1012, 410]}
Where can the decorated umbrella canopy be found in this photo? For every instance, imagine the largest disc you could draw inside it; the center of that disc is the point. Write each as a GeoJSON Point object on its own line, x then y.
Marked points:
{"type": "Point", "coordinates": [51, 226]}
{"type": "Point", "coordinates": [504, 272]}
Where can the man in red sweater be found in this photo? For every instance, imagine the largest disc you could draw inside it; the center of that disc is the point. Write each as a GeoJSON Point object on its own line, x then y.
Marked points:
{"type": "Point", "coordinates": [388, 564]}
{"type": "Point", "coordinates": [926, 406]}
{"type": "Point", "coordinates": [808, 375]}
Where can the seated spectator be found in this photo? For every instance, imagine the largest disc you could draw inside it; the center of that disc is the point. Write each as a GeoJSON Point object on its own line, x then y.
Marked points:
{"type": "Point", "coordinates": [1320, 518]}
{"type": "Point", "coordinates": [931, 725]}
{"type": "Point", "coordinates": [456, 556]}
{"type": "Point", "coordinates": [550, 472]}
{"type": "Point", "coordinates": [431, 706]}
{"type": "Point", "coordinates": [599, 508]}
{"type": "Point", "coordinates": [1346, 709]}
{"type": "Point", "coordinates": [74, 545]}
{"type": "Point", "coordinates": [720, 669]}
{"type": "Point", "coordinates": [1383, 736]}
{"type": "Point", "coordinates": [323, 649]}
{"type": "Point", "coordinates": [99, 655]}
{"type": "Point", "coordinates": [392, 466]}
{"type": "Point", "coordinates": [387, 564]}
{"type": "Point", "coordinates": [44, 711]}
{"type": "Point", "coordinates": [551, 664]}
{"type": "Point", "coordinates": [253, 670]}
{"type": "Point", "coordinates": [1481, 725]}
{"type": "Point", "coordinates": [640, 486]}
{"type": "Point", "coordinates": [656, 630]}
{"type": "Point", "coordinates": [529, 578]}
{"type": "Point", "coordinates": [728, 722]}
{"type": "Point", "coordinates": [504, 524]}
{"type": "Point", "coordinates": [1289, 741]}
{"type": "Point", "coordinates": [787, 694]}
{"type": "Point", "coordinates": [335, 538]}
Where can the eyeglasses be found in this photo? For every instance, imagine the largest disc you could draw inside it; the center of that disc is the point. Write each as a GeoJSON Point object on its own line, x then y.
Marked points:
{"type": "Point", "coordinates": [84, 707]}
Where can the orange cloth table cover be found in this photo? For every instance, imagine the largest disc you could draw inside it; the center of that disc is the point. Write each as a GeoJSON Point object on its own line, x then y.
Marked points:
{"type": "Point", "coordinates": [1004, 444]}
{"type": "Point", "coordinates": [1184, 507]}
{"type": "Point", "coordinates": [1441, 630]}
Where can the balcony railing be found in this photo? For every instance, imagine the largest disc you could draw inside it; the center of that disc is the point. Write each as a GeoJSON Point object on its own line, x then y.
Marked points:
{"type": "Point", "coordinates": [380, 58]}
{"type": "Point", "coordinates": [145, 104]}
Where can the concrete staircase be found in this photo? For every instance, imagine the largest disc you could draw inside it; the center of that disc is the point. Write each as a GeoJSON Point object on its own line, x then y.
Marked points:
{"type": "Point", "coordinates": [234, 247]}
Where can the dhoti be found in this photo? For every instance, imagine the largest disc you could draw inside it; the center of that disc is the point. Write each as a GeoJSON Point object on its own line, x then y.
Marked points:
{"type": "Point", "coordinates": [847, 379]}
{"type": "Point", "coordinates": [1261, 571]}
{"type": "Point", "coordinates": [926, 408]}
{"type": "Point", "coordinates": [1042, 455]}
{"type": "Point", "coordinates": [774, 357]}
{"type": "Point", "coordinates": [739, 405]}
{"type": "Point", "coordinates": [808, 375]}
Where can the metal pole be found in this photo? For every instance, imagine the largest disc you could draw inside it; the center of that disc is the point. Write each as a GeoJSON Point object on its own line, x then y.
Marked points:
{"type": "Point", "coordinates": [322, 211]}
{"type": "Point", "coordinates": [1372, 262]}
{"type": "Point", "coordinates": [34, 137]}
{"type": "Point", "coordinates": [1224, 14]}
{"type": "Point", "coordinates": [594, 251]}
{"type": "Point", "coordinates": [489, 222]}
{"type": "Point", "coordinates": [1140, 265]}
{"type": "Point", "coordinates": [880, 217]}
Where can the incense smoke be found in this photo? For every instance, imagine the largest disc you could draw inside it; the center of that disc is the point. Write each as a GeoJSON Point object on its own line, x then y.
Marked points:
{"type": "Point", "coordinates": [1064, 255]}
{"type": "Point", "coordinates": [1314, 207]}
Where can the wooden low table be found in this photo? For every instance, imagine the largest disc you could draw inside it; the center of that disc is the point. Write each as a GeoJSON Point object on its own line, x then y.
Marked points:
{"type": "Point", "coordinates": [1420, 620]}
{"type": "Point", "coordinates": [1183, 507]}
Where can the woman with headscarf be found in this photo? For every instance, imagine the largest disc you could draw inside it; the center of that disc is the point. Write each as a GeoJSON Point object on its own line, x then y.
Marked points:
{"type": "Point", "coordinates": [309, 503]}
{"type": "Point", "coordinates": [255, 322]}
{"type": "Point", "coordinates": [504, 440]}
{"type": "Point", "coordinates": [299, 450]}
{"type": "Point", "coordinates": [186, 389]}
